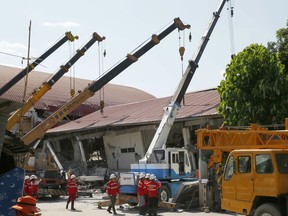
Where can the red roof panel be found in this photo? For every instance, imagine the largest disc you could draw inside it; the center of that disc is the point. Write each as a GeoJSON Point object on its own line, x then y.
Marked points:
{"type": "Point", "coordinates": [200, 103]}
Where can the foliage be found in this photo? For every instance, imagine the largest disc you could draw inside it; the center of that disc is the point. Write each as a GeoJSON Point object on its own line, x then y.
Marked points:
{"type": "Point", "coordinates": [255, 88]}
{"type": "Point", "coordinates": [281, 46]}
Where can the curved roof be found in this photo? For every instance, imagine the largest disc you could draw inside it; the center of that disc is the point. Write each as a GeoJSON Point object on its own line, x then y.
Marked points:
{"type": "Point", "coordinates": [60, 92]}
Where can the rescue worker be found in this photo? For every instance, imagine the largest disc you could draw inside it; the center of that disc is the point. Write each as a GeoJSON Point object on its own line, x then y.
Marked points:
{"type": "Point", "coordinates": [33, 186]}
{"type": "Point", "coordinates": [112, 191]}
{"type": "Point", "coordinates": [146, 181]}
{"type": "Point", "coordinates": [26, 206]}
{"type": "Point", "coordinates": [72, 187]}
{"type": "Point", "coordinates": [152, 189]}
{"type": "Point", "coordinates": [140, 194]}
{"type": "Point", "coordinates": [26, 185]}
{"type": "Point", "coordinates": [70, 173]}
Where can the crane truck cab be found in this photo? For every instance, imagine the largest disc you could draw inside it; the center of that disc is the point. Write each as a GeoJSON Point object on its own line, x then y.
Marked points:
{"type": "Point", "coordinates": [255, 182]}
{"type": "Point", "coordinates": [169, 163]}
{"type": "Point", "coordinates": [172, 166]}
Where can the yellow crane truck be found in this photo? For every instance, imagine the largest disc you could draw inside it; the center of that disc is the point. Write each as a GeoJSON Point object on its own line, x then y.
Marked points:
{"type": "Point", "coordinates": [254, 180]}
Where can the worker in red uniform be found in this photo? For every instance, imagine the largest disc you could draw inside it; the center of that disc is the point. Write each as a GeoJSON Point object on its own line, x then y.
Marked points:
{"type": "Point", "coordinates": [112, 191]}
{"type": "Point", "coordinates": [72, 187]}
{"type": "Point", "coordinates": [146, 181]}
{"type": "Point", "coordinates": [140, 194]}
{"type": "Point", "coordinates": [152, 189]}
{"type": "Point", "coordinates": [70, 173]}
{"type": "Point", "coordinates": [33, 186]}
{"type": "Point", "coordinates": [26, 185]}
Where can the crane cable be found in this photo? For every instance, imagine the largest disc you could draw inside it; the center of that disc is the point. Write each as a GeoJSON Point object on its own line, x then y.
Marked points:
{"type": "Point", "coordinates": [182, 48]}
{"type": "Point", "coordinates": [182, 51]}
{"type": "Point", "coordinates": [101, 49]}
{"type": "Point", "coordinates": [230, 10]}
{"type": "Point", "coordinates": [72, 72]}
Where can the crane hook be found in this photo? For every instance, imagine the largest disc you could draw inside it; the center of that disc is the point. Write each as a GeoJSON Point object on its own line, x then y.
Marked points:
{"type": "Point", "coordinates": [182, 51]}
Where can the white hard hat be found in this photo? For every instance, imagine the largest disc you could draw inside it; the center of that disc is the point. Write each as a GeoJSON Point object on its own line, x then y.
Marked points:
{"type": "Point", "coordinates": [27, 177]}
{"type": "Point", "coordinates": [73, 176]}
{"type": "Point", "coordinates": [33, 177]}
{"type": "Point", "coordinates": [112, 176]}
{"type": "Point", "coordinates": [142, 175]}
{"type": "Point", "coordinates": [152, 176]}
{"type": "Point", "coordinates": [147, 175]}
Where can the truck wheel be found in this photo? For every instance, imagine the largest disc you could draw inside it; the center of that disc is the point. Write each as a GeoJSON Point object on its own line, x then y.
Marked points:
{"type": "Point", "coordinates": [132, 204]}
{"type": "Point", "coordinates": [268, 209]}
{"type": "Point", "coordinates": [164, 193]}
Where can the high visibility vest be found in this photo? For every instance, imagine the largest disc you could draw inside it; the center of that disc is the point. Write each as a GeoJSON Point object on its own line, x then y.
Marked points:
{"type": "Point", "coordinates": [113, 187]}
{"type": "Point", "coordinates": [152, 188]}
{"type": "Point", "coordinates": [72, 186]}
{"type": "Point", "coordinates": [140, 188]}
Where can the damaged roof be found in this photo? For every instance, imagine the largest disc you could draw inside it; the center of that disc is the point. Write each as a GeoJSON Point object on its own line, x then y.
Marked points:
{"type": "Point", "coordinates": [196, 104]}
{"type": "Point", "coordinates": [60, 92]}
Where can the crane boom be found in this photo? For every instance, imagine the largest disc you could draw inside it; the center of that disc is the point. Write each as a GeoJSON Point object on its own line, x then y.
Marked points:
{"type": "Point", "coordinates": [40, 130]}
{"type": "Point", "coordinates": [30, 67]}
{"type": "Point", "coordinates": [256, 137]}
{"type": "Point", "coordinates": [161, 135]}
{"type": "Point", "coordinates": [46, 86]}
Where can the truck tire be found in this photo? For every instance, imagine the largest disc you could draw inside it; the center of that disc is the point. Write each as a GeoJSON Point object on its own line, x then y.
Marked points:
{"type": "Point", "coordinates": [132, 204]}
{"type": "Point", "coordinates": [164, 193]}
{"type": "Point", "coordinates": [268, 209]}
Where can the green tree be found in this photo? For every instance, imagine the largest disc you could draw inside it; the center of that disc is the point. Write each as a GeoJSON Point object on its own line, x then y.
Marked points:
{"type": "Point", "coordinates": [254, 89]}
{"type": "Point", "coordinates": [281, 46]}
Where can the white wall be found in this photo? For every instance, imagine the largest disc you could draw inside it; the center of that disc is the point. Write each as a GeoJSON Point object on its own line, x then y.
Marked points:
{"type": "Point", "coordinates": [116, 144]}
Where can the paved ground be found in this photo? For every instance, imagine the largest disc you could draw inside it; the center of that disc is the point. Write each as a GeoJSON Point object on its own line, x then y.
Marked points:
{"type": "Point", "coordinates": [88, 206]}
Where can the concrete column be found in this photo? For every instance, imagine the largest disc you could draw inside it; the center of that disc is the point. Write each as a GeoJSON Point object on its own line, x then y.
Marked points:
{"type": "Point", "coordinates": [187, 141]}
{"type": "Point", "coordinates": [82, 153]}
{"type": "Point", "coordinates": [76, 150]}
{"type": "Point", "coordinates": [46, 142]}
{"type": "Point", "coordinates": [203, 178]}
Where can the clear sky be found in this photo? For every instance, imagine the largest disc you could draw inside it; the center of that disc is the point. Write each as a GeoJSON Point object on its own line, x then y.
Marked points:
{"type": "Point", "coordinates": [126, 24]}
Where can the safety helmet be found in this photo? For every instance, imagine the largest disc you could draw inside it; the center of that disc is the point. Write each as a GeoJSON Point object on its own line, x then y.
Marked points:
{"type": "Point", "coordinates": [33, 177]}
{"type": "Point", "coordinates": [112, 176]}
{"type": "Point", "coordinates": [72, 176]}
{"type": "Point", "coordinates": [142, 175]}
{"type": "Point", "coordinates": [152, 177]}
{"type": "Point", "coordinates": [147, 175]}
{"type": "Point", "coordinates": [26, 177]}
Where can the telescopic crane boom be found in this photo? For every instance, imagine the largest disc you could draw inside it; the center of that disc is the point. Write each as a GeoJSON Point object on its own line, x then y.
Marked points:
{"type": "Point", "coordinates": [19, 76]}
{"type": "Point", "coordinates": [46, 86]}
{"type": "Point", "coordinates": [40, 130]}
{"type": "Point", "coordinates": [161, 135]}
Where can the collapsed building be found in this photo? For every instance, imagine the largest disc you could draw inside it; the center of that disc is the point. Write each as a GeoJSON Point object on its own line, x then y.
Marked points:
{"type": "Point", "coordinates": [121, 134]}
{"type": "Point", "coordinates": [92, 141]}
{"type": "Point", "coordinates": [51, 101]}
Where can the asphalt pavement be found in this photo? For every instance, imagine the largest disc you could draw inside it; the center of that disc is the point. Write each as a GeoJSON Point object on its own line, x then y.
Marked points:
{"type": "Point", "coordinates": [88, 206]}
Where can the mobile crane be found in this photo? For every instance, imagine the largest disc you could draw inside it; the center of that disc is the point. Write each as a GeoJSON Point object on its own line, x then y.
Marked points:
{"type": "Point", "coordinates": [255, 175]}
{"type": "Point", "coordinates": [46, 86]}
{"type": "Point", "coordinates": [39, 130]}
{"type": "Point", "coordinates": [169, 164]}
{"type": "Point", "coordinates": [30, 67]}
